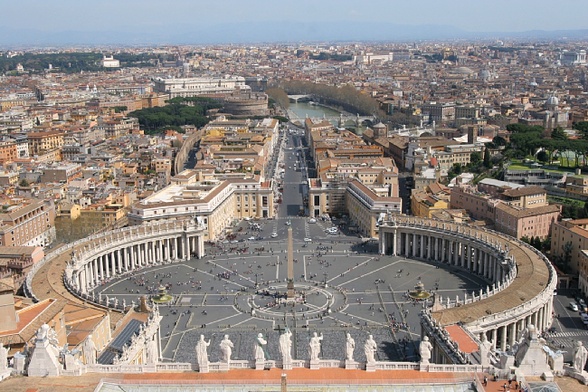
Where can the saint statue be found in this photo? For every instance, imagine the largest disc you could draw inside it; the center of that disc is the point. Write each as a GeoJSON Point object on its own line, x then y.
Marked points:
{"type": "Point", "coordinates": [201, 352]}
{"type": "Point", "coordinates": [259, 350]}
{"type": "Point", "coordinates": [425, 350]}
{"type": "Point", "coordinates": [580, 356]}
{"type": "Point", "coordinates": [369, 349]}
{"type": "Point", "coordinates": [226, 347]}
{"type": "Point", "coordinates": [315, 346]}
{"type": "Point", "coordinates": [90, 351]}
{"type": "Point", "coordinates": [286, 345]}
{"type": "Point", "coordinates": [349, 347]}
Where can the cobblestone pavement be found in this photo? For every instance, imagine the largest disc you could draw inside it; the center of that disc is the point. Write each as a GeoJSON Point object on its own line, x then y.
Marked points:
{"type": "Point", "coordinates": [365, 294]}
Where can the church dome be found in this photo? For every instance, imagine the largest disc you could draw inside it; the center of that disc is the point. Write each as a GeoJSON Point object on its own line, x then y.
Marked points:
{"type": "Point", "coordinates": [552, 101]}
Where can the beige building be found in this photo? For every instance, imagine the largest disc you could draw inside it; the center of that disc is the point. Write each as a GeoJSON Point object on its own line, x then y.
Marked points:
{"type": "Point", "coordinates": [512, 208]}
{"type": "Point", "coordinates": [30, 222]}
{"type": "Point", "coordinates": [43, 141]}
{"type": "Point", "coordinates": [570, 236]}
{"type": "Point", "coordinates": [217, 202]}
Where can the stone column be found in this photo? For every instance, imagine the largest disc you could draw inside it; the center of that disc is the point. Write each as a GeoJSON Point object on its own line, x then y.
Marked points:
{"type": "Point", "coordinates": [406, 245]}
{"type": "Point", "coordinates": [422, 246]}
{"type": "Point", "coordinates": [494, 337]}
{"type": "Point", "coordinates": [512, 334]}
{"type": "Point", "coordinates": [462, 254]}
{"type": "Point", "coordinates": [503, 338]}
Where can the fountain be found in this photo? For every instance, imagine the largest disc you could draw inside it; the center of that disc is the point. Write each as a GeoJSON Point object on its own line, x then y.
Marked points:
{"type": "Point", "coordinates": [419, 292]}
{"type": "Point", "coordinates": [162, 296]}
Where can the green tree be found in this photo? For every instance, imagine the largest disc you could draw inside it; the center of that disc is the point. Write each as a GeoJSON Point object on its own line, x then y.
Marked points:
{"type": "Point", "coordinates": [24, 183]}
{"type": "Point", "coordinates": [475, 158]}
{"type": "Point", "coordinates": [487, 163]}
{"type": "Point", "coordinates": [559, 134]}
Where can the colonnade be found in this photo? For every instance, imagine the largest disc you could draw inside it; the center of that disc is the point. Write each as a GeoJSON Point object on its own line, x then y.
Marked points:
{"type": "Point", "coordinates": [108, 257]}
{"type": "Point", "coordinates": [465, 252]}
{"type": "Point", "coordinates": [491, 256]}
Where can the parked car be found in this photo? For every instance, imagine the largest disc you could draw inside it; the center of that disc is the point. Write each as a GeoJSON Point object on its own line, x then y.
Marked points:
{"type": "Point", "coordinates": [574, 306]}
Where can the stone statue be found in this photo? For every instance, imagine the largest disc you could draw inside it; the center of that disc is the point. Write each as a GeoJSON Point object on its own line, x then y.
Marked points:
{"type": "Point", "coordinates": [3, 358]}
{"type": "Point", "coordinates": [201, 352]}
{"type": "Point", "coordinates": [286, 346]}
{"type": "Point", "coordinates": [90, 351]}
{"type": "Point", "coordinates": [580, 356]}
{"type": "Point", "coordinates": [151, 347]}
{"type": "Point", "coordinates": [485, 349]}
{"type": "Point", "coordinates": [315, 346]}
{"type": "Point", "coordinates": [349, 347]}
{"type": "Point", "coordinates": [259, 350]}
{"type": "Point", "coordinates": [226, 347]}
{"type": "Point", "coordinates": [425, 350]}
{"type": "Point", "coordinates": [369, 348]}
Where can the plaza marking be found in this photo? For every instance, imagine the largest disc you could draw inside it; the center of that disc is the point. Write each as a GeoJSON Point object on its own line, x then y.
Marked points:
{"type": "Point", "coordinates": [150, 268]}
{"type": "Point", "coordinates": [366, 274]}
{"type": "Point", "coordinates": [210, 323]}
{"type": "Point", "coordinates": [278, 268]}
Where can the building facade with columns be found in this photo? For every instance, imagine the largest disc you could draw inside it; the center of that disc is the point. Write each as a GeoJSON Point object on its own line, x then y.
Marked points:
{"type": "Point", "coordinates": [520, 282]}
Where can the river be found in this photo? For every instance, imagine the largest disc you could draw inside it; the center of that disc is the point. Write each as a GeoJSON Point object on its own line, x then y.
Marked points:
{"type": "Point", "coordinates": [298, 111]}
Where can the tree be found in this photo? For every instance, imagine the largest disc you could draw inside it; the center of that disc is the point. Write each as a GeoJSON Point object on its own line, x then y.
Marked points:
{"type": "Point", "coordinates": [559, 134]}
{"type": "Point", "coordinates": [24, 183]}
{"type": "Point", "coordinates": [487, 163]}
{"type": "Point", "coordinates": [475, 158]}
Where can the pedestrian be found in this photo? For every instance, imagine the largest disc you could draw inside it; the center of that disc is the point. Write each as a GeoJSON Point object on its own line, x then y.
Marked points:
{"type": "Point", "coordinates": [485, 383]}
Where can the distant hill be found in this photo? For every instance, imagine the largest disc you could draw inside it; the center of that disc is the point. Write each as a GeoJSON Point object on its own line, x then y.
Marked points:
{"type": "Point", "coordinates": [239, 33]}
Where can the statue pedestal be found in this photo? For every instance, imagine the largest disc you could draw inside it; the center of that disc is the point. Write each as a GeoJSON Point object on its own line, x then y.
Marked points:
{"type": "Point", "coordinates": [370, 367]}
{"type": "Point", "coordinates": [424, 366]}
{"type": "Point", "coordinates": [44, 360]}
{"type": "Point", "coordinates": [259, 364]}
{"type": "Point", "coordinates": [287, 365]}
{"type": "Point", "coordinates": [314, 364]}
{"type": "Point", "coordinates": [203, 368]}
{"type": "Point", "coordinates": [350, 364]}
{"type": "Point", "coordinates": [223, 366]}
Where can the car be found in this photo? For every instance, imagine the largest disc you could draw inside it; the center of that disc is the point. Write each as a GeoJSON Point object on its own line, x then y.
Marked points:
{"type": "Point", "coordinates": [251, 238]}
{"type": "Point", "coordinates": [312, 220]}
{"type": "Point", "coordinates": [274, 235]}
{"type": "Point", "coordinates": [288, 223]}
{"type": "Point", "coordinates": [308, 240]}
{"type": "Point", "coordinates": [574, 306]}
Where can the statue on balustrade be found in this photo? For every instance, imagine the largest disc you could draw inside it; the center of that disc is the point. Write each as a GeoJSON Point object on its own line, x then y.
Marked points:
{"type": "Point", "coordinates": [580, 356]}
{"type": "Point", "coordinates": [349, 347]}
{"type": "Point", "coordinates": [286, 346]}
{"type": "Point", "coordinates": [315, 346]}
{"type": "Point", "coordinates": [425, 349]}
{"type": "Point", "coordinates": [226, 347]}
{"type": "Point", "coordinates": [90, 351]}
{"type": "Point", "coordinates": [259, 348]}
{"type": "Point", "coordinates": [201, 352]}
{"type": "Point", "coordinates": [369, 349]}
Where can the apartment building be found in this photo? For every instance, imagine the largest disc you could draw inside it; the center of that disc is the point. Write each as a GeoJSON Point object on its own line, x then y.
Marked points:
{"type": "Point", "coordinates": [433, 198]}
{"type": "Point", "coordinates": [569, 238]}
{"type": "Point", "coordinates": [41, 142]}
{"type": "Point", "coordinates": [512, 209]}
{"type": "Point", "coordinates": [28, 222]}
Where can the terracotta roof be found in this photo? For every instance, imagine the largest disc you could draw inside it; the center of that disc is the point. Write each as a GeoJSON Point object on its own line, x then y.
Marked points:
{"type": "Point", "coordinates": [464, 341]}
{"type": "Point", "coordinates": [524, 191]}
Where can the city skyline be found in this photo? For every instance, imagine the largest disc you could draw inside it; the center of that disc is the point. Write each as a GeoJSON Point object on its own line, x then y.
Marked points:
{"type": "Point", "coordinates": [230, 21]}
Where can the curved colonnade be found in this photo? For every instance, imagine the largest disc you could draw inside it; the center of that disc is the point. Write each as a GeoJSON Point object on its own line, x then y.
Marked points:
{"type": "Point", "coordinates": [98, 258]}
{"type": "Point", "coordinates": [521, 281]}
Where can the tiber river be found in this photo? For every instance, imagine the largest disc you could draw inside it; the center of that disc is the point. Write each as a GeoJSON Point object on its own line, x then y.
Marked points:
{"type": "Point", "coordinates": [300, 110]}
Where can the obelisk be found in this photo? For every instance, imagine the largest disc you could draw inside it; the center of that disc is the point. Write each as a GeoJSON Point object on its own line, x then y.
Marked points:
{"type": "Point", "coordinates": [291, 293]}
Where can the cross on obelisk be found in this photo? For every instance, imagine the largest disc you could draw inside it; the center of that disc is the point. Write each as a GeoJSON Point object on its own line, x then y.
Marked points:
{"type": "Point", "coordinates": [291, 292]}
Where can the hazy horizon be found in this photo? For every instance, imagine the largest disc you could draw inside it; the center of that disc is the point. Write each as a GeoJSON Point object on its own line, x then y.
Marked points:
{"type": "Point", "coordinates": [35, 22]}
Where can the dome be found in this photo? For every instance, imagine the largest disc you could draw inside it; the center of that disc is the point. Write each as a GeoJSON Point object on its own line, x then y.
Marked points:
{"type": "Point", "coordinates": [552, 101]}
{"type": "Point", "coordinates": [379, 125]}
{"type": "Point", "coordinates": [485, 74]}
{"type": "Point", "coordinates": [463, 71]}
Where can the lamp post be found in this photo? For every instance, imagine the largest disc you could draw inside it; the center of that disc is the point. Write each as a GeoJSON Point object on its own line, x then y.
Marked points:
{"type": "Point", "coordinates": [325, 274]}
{"type": "Point", "coordinates": [256, 275]}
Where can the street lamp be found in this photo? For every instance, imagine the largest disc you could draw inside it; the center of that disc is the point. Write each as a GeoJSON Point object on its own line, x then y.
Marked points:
{"type": "Point", "coordinates": [325, 274]}
{"type": "Point", "coordinates": [256, 275]}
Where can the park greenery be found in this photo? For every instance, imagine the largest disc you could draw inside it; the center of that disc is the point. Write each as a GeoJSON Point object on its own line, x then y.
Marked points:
{"type": "Point", "coordinates": [75, 61]}
{"type": "Point", "coordinates": [178, 112]}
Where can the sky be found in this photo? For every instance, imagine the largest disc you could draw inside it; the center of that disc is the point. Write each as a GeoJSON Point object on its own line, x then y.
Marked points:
{"type": "Point", "coordinates": [152, 17]}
